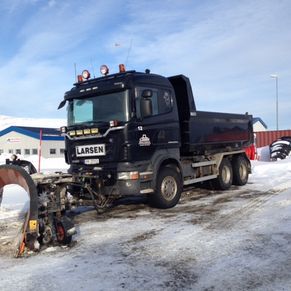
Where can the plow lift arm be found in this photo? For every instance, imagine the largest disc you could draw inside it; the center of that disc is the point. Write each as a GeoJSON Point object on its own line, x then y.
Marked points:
{"type": "Point", "coordinates": [45, 220]}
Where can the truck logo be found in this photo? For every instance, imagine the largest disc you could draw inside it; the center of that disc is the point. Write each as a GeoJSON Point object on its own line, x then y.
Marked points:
{"type": "Point", "coordinates": [144, 141]}
{"type": "Point", "coordinates": [90, 150]}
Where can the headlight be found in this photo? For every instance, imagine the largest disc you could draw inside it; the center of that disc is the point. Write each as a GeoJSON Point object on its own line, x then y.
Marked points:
{"type": "Point", "coordinates": [63, 129]}
{"type": "Point", "coordinates": [86, 74]}
{"type": "Point", "coordinates": [104, 70]}
{"type": "Point", "coordinates": [128, 175]}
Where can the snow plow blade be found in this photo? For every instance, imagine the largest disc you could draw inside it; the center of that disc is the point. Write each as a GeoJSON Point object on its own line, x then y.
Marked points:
{"type": "Point", "coordinates": [11, 174]}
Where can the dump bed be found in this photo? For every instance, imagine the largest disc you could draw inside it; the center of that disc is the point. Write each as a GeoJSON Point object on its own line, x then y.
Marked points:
{"type": "Point", "coordinates": [208, 131]}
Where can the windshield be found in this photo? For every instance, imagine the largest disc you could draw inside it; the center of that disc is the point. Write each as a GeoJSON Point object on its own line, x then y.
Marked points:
{"type": "Point", "coordinates": [102, 108]}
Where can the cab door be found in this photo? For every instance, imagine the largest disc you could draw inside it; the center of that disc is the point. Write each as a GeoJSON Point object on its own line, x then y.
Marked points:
{"type": "Point", "coordinates": [157, 125]}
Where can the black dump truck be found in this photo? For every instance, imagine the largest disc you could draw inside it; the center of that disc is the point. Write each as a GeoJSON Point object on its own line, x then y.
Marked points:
{"type": "Point", "coordinates": [130, 133]}
{"type": "Point", "coordinates": [134, 133]}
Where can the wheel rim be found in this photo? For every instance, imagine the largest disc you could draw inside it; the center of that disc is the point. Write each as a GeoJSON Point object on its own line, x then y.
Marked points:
{"type": "Point", "coordinates": [169, 188]}
{"type": "Point", "coordinates": [242, 171]}
{"type": "Point", "coordinates": [225, 174]}
{"type": "Point", "coordinates": [60, 233]}
{"type": "Point", "coordinates": [47, 235]}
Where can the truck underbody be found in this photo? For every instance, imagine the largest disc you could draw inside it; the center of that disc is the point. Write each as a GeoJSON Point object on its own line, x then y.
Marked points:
{"type": "Point", "coordinates": [52, 196]}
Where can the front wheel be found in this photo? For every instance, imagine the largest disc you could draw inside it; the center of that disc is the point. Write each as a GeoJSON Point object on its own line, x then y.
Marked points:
{"type": "Point", "coordinates": [62, 237]}
{"type": "Point", "coordinates": [168, 188]}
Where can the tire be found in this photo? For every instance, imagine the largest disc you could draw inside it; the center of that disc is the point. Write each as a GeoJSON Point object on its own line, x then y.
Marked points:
{"type": "Point", "coordinates": [62, 237]}
{"type": "Point", "coordinates": [1, 195]}
{"type": "Point", "coordinates": [225, 176]}
{"type": "Point", "coordinates": [168, 189]}
{"type": "Point", "coordinates": [240, 171]}
{"type": "Point", "coordinates": [46, 235]}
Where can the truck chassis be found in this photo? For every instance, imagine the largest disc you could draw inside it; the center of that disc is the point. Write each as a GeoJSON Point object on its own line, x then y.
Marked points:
{"type": "Point", "coordinates": [52, 196]}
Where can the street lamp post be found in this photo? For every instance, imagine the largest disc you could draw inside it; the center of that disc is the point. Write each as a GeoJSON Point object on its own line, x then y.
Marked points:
{"type": "Point", "coordinates": [277, 117]}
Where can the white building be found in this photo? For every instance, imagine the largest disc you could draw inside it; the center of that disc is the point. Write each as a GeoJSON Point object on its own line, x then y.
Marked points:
{"type": "Point", "coordinates": [259, 124]}
{"type": "Point", "coordinates": [25, 141]}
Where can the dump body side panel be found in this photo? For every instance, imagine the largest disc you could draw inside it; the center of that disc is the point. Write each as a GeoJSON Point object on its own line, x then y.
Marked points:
{"type": "Point", "coordinates": [210, 131]}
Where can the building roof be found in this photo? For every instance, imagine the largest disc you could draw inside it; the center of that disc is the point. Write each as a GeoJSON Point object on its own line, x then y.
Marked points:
{"type": "Point", "coordinates": [258, 119]}
{"type": "Point", "coordinates": [34, 132]}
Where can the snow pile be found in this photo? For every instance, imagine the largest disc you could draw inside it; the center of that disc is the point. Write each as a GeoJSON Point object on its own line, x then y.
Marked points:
{"type": "Point", "coordinates": [270, 175]}
{"type": "Point", "coordinates": [6, 121]}
{"type": "Point", "coordinates": [46, 164]}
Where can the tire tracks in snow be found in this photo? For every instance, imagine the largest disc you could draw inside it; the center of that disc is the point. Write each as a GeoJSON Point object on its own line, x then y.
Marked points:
{"type": "Point", "coordinates": [257, 200]}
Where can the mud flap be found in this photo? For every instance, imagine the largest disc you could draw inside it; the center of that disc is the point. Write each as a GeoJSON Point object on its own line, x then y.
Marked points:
{"type": "Point", "coordinates": [11, 174]}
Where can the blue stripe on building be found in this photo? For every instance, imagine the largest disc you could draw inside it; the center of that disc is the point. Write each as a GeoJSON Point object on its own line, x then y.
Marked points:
{"type": "Point", "coordinates": [34, 132]}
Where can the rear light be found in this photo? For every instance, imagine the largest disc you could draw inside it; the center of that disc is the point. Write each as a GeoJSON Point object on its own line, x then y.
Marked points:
{"type": "Point", "coordinates": [86, 74]}
{"type": "Point", "coordinates": [104, 70]}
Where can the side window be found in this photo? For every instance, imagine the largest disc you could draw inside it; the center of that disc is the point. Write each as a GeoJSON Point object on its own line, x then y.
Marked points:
{"type": "Point", "coordinates": [165, 101]}
{"type": "Point", "coordinates": [155, 102]}
{"type": "Point", "coordinates": [162, 100]}
{"type": "Point", "coordinates": [53, 151]}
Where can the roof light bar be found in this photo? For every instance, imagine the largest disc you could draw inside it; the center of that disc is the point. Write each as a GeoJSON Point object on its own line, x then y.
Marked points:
{"type": "Point", "coordinates": [80, 78]}
{"type": "Point", "coordinates": [122, 68]}
{"type": "Point", "coordinates": [86, 74]}
{"type": "Point", "coordinates": [104, 70]}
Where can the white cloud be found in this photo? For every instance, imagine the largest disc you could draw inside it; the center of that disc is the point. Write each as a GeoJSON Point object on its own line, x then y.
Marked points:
{"type": "Point", "coordinates": [228, 49]}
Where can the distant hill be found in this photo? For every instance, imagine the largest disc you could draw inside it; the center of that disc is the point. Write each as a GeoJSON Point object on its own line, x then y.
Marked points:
{"type": "Point", "coordinates": [6, 121]}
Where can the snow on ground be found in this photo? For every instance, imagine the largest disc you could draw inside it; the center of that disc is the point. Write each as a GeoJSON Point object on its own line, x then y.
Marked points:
{"type": "Point", "coordinates": [234, 240]}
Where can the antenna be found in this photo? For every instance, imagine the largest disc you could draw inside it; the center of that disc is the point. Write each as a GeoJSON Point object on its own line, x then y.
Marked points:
{"type": "Point", "coordinates": [128, 52]}
{"type": "Point", "coordinates": [92, 67]}
{"type": "Point", "coordinates": [75, 67]}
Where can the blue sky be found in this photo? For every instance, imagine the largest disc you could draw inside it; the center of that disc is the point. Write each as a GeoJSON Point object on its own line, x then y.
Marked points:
{"type": "Point", "coordinates": [227, 48]}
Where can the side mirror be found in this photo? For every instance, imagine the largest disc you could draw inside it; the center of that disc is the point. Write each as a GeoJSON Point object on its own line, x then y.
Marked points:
{"type": "Point", "coordinates": [62, 104]}
{"type": "Point", "coordinates": [146, 107]}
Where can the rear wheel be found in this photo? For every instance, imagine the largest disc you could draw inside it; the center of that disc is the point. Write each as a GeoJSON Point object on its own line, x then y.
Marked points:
{"type": "Point", "coordinates": [168, 188]}
{"type": "Point", "coordinates": [240, 171]}
{"type": "Point", "coordinates": [225, 176]}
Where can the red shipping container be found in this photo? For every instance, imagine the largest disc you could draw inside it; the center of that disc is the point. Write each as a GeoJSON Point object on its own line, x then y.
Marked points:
{"type": "Point", "coordinates": [265, 138]}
